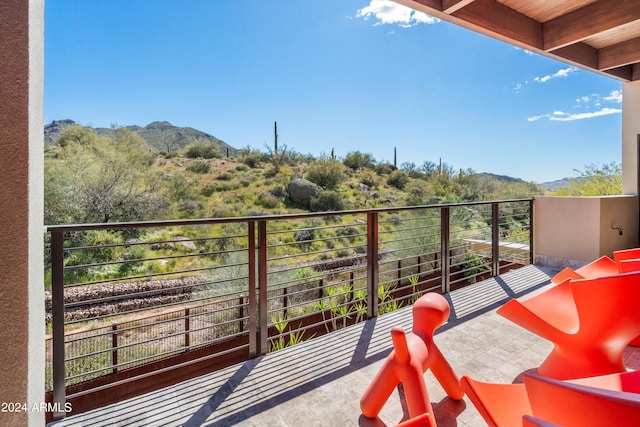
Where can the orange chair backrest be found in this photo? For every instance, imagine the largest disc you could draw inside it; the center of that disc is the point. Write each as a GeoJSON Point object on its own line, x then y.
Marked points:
{"type": "Point", "coordinates": [574, 405]}
{"type": "Point", "coordinates": [611, 300]}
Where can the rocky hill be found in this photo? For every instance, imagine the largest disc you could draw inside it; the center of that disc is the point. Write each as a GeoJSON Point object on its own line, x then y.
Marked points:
{"type": "Point", "coordinates": [161, 136]}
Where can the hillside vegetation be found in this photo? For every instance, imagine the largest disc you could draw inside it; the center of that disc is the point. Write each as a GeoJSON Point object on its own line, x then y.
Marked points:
{"type": "Point", "coordinates": [97, 176]}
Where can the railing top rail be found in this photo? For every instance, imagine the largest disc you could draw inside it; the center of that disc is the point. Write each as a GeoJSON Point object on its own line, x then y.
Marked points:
{"type": "Point", "coordinates": [246, 219]}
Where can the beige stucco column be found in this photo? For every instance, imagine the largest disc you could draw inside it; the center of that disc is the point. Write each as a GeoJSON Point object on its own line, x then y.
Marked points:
{"type": "Point", "coordinates": [630, 132]}
{"type": "Point", "coordinates": [21, 210]}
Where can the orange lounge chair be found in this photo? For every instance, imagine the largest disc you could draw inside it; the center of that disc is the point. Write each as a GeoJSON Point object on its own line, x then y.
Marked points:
{"type": "Point", "coordinates": [589, 321]}
{"type": "Point", "coordinates": [603, 266]}
{"type": "Point", "coordinates": [550, 402]}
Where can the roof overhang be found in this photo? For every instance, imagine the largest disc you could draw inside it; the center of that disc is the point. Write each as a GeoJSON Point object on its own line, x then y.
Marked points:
{"type": "Point", "coordinates": [599, 35]}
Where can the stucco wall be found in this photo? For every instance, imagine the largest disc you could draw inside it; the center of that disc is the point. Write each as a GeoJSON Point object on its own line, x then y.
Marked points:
{"type": "Point", "coordinates": [616, 211]}
{"type": "Point", "coordinates": [571, 231]}
{"type": "Point", "coordinates": [21, 209]}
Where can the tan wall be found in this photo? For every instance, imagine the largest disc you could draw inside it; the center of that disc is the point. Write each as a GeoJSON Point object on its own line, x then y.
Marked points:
{"type": "Point", "coordinates": [616, 211]}
{"type": "Point", "coordinates": [21, 208]}
{"type": "Point", "coordinates": [571, 231]}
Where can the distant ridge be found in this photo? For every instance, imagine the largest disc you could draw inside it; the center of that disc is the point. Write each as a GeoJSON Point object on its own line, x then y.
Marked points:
{"type": "Point", "coordinates": [501, 177]}
{"type": "Point", "coordinates": [161, 136]}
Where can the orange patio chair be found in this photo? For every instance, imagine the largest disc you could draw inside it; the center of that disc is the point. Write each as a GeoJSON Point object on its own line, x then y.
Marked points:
{"type": "Point", "coordinates": [626, 254]}
{"type": "Point", "coordinates": [603, 266]}
{"type": "Point", "coordinates": [582, 406]}
{"type": "Point", "coordinates": [547, 402]}
{"type": "Point", "coordinates": [589, 321]}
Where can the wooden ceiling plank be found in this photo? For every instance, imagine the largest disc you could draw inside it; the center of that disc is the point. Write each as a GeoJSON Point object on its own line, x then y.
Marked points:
{"type": "Point", "coordinates": [595, 18]}
{"type": "Point", "coordinates": [450, 6]}
{"type": "Point", "coordinates": [620, 54]}
{"type": "Point", "coordinates": [495, 19]}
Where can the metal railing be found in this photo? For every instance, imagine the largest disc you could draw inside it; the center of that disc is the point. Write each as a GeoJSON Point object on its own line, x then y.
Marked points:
{"type": "Point", "coordinates": [132, 300]}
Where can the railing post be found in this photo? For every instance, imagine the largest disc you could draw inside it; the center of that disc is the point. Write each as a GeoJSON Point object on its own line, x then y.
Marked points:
{"type": "Point", "coordinates": [187, 328]}
{"type": "Point", "coordinates": [445, 243]}
{"type": "Point", "coordinates": [253, 305]}
{"type": "Point", "coordinates": [114, 347]}
{"type": "Point", "coordinates": [399, 273]}
{"type": "Point", "coordinates": [241, 313]}
{"type": "Point", "coordinates": [284, 302]}
{"type": "Point", "coordinates": [531, 252]}
{"type": "Point", "coordinates": [495, 238]}
{"type": "Point", "coordinates": [263, 326]}
{"type": "Point", "coordinates": [57, 311]}
{"type": "Point", "coordinates": [372, 264]}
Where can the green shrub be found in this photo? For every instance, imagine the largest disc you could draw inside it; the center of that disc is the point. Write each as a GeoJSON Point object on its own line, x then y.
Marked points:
{"type": "Point", "coordinates": [327, 201]}
{"type": "Point", "coordinates": [221, 211]}
{"type": "Point", "coordinates": [208, 189]}
{"type": "Point", "coordinates": [268, 200]}
{"type": "Point", "coordinates": [202, 149]}
{"type": "Point", "coordinates": [369, 178]}
{"type": "Point", "coordinates": [398, 179]}
{"type": "Point", "coordinates": [327, 173]}
{"type": "Point", "coordinates": [357, 160]}
{"type": "Point", "coordinates": [384, 168]}
{"type": "Point", "coordinates": [199, 166]}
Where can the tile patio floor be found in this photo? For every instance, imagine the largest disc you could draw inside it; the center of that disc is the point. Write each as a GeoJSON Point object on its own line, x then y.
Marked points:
{"type": "Point", "coordinates": [320, 382]}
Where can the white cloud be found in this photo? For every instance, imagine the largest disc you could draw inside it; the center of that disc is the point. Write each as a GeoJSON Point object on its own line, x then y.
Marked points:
{"type": "Point", "coordinates": [389, 12]}
{"type": "Point", "coordinates": [561, 116]}
{"type": "Point", "coordinates": [560, 73]}
{"type": "Point", "coordinates": [528, 52]}
{"type": "Point", "coordinates": [614, 96]}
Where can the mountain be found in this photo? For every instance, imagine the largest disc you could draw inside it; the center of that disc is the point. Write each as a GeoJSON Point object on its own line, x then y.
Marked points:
{"type": "Point", "coordinates": [501, 177]}
{"type": "Point", "coordinates": [53, 130]}
{"type": "Point", "coordinates": [161, 136]}
{"type": "Point", "coordinates": [564, 182]}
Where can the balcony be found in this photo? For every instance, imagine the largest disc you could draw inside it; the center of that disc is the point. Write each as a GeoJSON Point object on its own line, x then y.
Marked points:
{"type": "Point", "coordinates": [320, 382]}
{"type": "Point", "coordinates": [140, 306]}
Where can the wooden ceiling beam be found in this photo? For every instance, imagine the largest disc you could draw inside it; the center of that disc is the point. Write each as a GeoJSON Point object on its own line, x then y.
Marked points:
{"type": "Point", "coordinates": [625, 72]}
{"type": "Point", "coordinates": [450, 6]}
{"type": "Point", "coordinates": [494, 18]}
{"type": "Point", "coordinates": [580, 53]}
{"type": "Point", "coordinates": [620, 54]}
{"type": "Point", "coordinates": [590, 20]}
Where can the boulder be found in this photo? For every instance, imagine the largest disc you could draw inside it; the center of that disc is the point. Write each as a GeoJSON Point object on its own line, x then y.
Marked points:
{"type": "Point", "coordinates": [302, 191]}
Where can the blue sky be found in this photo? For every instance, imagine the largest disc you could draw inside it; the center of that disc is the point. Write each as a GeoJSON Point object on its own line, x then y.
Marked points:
{"type": "Point", "coordinates": [365, 75]}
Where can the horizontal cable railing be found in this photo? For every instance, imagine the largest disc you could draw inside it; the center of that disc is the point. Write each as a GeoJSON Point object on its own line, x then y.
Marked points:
{"type": "Point", "coordinates": [131, 300]}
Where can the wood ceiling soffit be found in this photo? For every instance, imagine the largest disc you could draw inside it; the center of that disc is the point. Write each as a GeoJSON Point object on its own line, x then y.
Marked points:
{"type": "Point", "coordinates": [635, 72]}
{"type": "Point", "coordinates": [588, 21]}
{"type": "Point", "coordinates": [450, 6]}
{"type": "Point", "coordinates": [625, 72]}
{"type": "Point", "coordinates": [620, 54]}
{"type": "Point", "coordinates": [502, 21]}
